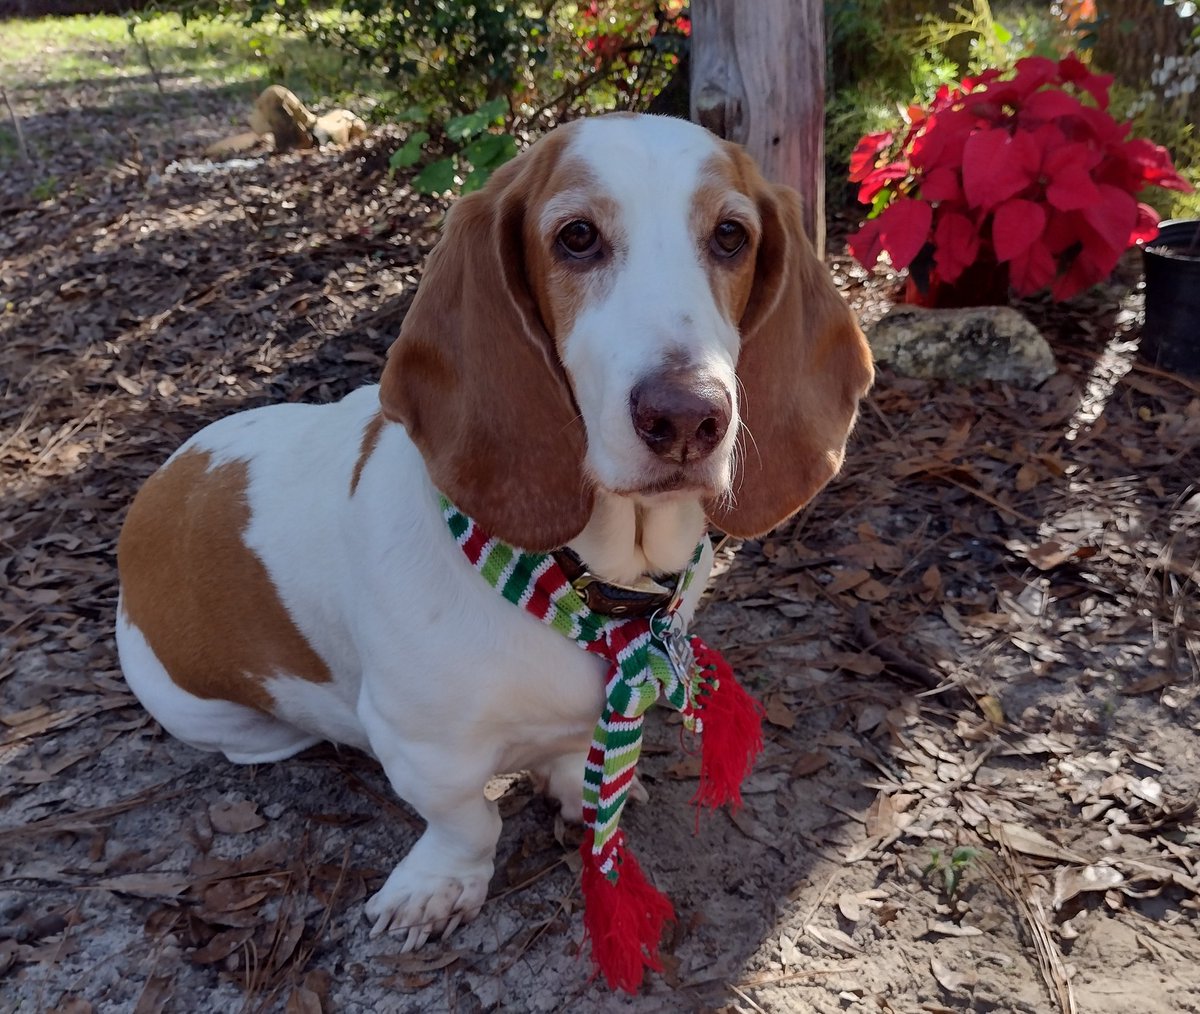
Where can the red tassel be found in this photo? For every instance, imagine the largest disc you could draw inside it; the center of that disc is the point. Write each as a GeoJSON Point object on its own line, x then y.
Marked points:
{"type": "Point", "coordinates": [625, 920]}
{"type": "Point", "coordinates": [731, 739]}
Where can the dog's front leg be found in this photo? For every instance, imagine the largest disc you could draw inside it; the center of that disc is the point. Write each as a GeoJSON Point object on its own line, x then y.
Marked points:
{"type": "Point", "coordinates": [444, 878]}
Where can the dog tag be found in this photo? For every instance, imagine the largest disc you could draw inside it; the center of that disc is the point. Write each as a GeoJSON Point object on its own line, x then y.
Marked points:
{"type": "Point", "coordinates": [679, 653]}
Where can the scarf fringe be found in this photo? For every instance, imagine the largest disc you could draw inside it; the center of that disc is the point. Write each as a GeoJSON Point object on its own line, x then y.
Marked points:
{"type": "Point", "coordinates": [623, 918]}
{"type": "Point", "coordinates": [731, 739]}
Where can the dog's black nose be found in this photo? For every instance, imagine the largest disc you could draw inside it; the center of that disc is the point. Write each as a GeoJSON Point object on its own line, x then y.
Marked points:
{"type": "Point", "coordinates": [681, 415]}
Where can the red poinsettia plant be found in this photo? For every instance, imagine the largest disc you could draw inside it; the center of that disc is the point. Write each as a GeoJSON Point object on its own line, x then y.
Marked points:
{"type": "Point", "coordinates": [1024, 171]}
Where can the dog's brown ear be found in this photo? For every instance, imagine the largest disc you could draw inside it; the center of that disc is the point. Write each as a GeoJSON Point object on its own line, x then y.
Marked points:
{"type": "Point", "coordinates": [803, 366]}
{"type": "Point", "coordinates": [476, 380]}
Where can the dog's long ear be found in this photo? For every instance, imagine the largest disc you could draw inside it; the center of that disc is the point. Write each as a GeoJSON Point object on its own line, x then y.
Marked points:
{"type": "Point", "coordinates": [476, 380]}
{"type": "Point", "coordinates": [803, 366]}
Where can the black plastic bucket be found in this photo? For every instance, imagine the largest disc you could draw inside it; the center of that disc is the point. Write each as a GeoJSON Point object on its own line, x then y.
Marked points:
{"type": "Point", "coordinates": [1171, 334]}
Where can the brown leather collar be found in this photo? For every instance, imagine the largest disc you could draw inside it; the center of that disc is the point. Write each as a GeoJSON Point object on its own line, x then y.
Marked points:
{"type": "Point", "coordinates": [607, 598]}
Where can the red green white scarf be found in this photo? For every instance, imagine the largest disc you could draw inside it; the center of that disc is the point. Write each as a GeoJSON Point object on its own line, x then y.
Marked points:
{"type": "Point", "coordinates": [650, 658]}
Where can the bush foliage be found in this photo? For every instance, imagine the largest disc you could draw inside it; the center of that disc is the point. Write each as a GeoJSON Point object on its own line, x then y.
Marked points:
{"type": "Point", "coordinates": [468, 77]}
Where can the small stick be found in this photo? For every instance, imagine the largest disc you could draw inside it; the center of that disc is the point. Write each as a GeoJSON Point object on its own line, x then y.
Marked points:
{"type": "Point", "coordinates": [16, 127]}
{"type": "Point", "coordinates": [893, 657]}
{"type": "Point", "coordinates": [149, 63]}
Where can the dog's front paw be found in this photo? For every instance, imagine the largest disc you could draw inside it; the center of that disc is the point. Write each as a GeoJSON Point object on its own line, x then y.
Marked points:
{"type": "Point", "coordinates": [422, 905]}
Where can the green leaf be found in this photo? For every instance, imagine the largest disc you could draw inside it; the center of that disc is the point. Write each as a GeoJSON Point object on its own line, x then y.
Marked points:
{"type": "Point", "coordinates": [490, 151]}
{"type": "Point", "coordinates": [881, 201]}
{"type": "Point", "coordinates": [475, 179]}
{"type": "Point", "coordinates": [436, 178]}
{"type": "Point", "coordinates": [1003, 35]}
{"type": "Point", "coordinates": [461, 128]}
{"type": "Point", "coordinates": [402, 158]}
{"type": "Point", "coordinates": [412, 114]}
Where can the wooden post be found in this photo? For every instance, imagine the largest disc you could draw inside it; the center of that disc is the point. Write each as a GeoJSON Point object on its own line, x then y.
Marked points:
{"type": "Point", "coordinates": [758, 78]}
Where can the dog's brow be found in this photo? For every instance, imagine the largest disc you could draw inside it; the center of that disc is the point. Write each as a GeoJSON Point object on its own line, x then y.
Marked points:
{"type": "Point", "coordinates": [564, 205]}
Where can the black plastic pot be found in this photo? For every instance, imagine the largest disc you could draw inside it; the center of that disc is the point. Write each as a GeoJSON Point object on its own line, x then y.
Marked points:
{"type": "Point", "coordinates": [1171, 335]}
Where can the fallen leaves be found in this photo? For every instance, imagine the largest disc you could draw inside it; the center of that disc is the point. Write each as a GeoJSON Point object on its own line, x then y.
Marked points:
{"type": "Point", "coordinates": [1029, 567]}
{"type": "Point", "coordinates": [235, 818]}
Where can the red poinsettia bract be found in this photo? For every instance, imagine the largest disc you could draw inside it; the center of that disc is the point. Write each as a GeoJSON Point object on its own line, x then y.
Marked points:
{"type": "Point", "coordinates": [1027, 170]}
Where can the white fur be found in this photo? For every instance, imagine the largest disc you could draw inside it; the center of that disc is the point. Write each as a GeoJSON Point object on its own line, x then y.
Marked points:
{"type": "Point", "coordinates": [434, 673]}
{"type": "Point", "coordinates": [661, 300]}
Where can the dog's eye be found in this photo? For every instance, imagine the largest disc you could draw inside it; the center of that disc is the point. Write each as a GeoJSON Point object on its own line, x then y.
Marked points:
{"type": "Point", "coordinates": [728, 238]}
{"type": "Point", "coordinates": [579, 238]}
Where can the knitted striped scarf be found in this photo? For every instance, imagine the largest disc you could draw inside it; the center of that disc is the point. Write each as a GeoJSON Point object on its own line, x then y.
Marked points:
{"type": "Point", "coordinates": [648, 659]}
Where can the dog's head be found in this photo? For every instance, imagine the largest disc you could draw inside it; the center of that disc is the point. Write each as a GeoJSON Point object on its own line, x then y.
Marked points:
{"type": "Point", "coordinates": [630, 306]}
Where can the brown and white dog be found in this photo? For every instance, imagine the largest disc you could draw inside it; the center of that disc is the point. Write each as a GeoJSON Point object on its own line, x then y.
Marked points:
{"type": "Point", "coordinates": [623, 336]}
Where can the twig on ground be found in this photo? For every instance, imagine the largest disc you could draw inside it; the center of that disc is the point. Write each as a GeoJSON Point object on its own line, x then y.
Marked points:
{"type": "Point", "coordinates": [796, 976]}
{"type": "Point", "coordinates": [85, 819]}
{"type": "Point", "coordinates": [745, 996]}
{"type": "Point", "coordinates": [895, 659]}
{"type": "Point", "coordinates": [149, 62]}
{"type": "Point", "coordinates": [16, 122]}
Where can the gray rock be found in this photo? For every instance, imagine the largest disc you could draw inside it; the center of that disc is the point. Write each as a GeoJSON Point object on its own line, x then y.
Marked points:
{"type": "Point", "coordinates": [976, 343]}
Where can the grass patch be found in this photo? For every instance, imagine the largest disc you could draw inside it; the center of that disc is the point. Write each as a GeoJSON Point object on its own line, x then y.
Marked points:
{"type": "Point", "coordinates": [100, 50]}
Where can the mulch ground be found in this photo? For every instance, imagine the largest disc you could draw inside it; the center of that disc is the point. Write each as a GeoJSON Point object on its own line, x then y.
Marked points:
{"type": "Point", "coordinates": [979, 651]}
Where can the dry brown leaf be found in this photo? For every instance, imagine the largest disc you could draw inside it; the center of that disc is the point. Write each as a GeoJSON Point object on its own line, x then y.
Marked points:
{"type": "Point", "coordinates": [847, 579]}
{"type": "Point", "coordinates": [221, 945]}
{"type": "Point", "coordinates": [147, 885]}
{"type": "Point", "coordinates": [1030, 843]}
{"type": "Point", "coordinates": [950, 980]}
{"type": "Point", "coordinates": [809, 763]}
{"type": "Point", "coordinates": [235, 818]}
{"type": "Point", "coordinates": [834, 938]}
{"type": "Point", "coordinates": [870, 717]}
{"type": "Point", "coordinates": [1028, 476]}
{"type": "Point", "coordinates": [991, 708]}
{"type": "Point", "coordinates": [1148, 684]}
{"type": "Point", "coordinates": [789, 953]}
{"type": "Point", "coordinates": [1052, 553]}
{"type": "Point", "coordinates": [872, 591]}
{"type": "Point", "coordinates": [1072, 881]}
{"type": "Point", "coordinates": [851, 904]}
{"type": "Point", "coordinates": [286, 938]}
{"type": "Point", "coordinates": [303, 1001]}
{"type": "Point", "coordinates": [862, 663]}
{"type": "Point", "coordinates": [154, 996]}
{"type": "Point", "coordinates": [411, 964]}
{"type": "Point", "coordinates": [953, 929]}
{"type": "Point", "coordinates": [744, 822]}
{"type": "Point", "coordinates": [778, 713]}
{"type": "Point", "coordinates": [886, 814]}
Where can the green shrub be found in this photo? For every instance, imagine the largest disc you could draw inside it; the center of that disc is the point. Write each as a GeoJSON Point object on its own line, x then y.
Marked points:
{"type": "Point", "coordinates": [467, 77]}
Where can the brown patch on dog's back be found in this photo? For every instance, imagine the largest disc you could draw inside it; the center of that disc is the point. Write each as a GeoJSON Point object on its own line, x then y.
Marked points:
{"type": "Point", "coordinates": [199, 595]}
{"type": "Point", "coordinates": [370, 438]}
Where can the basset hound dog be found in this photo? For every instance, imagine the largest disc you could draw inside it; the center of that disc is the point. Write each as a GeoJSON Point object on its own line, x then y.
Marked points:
{"type": "Point", "coordinates": [622, 338]}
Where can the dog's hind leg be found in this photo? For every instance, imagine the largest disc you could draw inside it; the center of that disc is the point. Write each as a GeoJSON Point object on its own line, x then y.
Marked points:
{"type": "Point", "coordinates": [562, 779]}
{"type": "Point", "coordinates": [244, 735]}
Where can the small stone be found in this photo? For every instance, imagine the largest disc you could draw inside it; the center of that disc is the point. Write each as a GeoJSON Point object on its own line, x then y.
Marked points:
{"type": "Point", "coordinates": [976, 343]}
{"type": "Point", "coordinates": [12, 904]}
{"type": "Point", "coordinates": [273, 811]}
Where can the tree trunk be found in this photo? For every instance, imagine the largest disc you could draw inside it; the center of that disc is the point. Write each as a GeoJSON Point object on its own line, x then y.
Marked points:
{"type": "Point", "coordinates": [758, 78]}
{"type": "Point", "coordinates": [1133, 33]}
